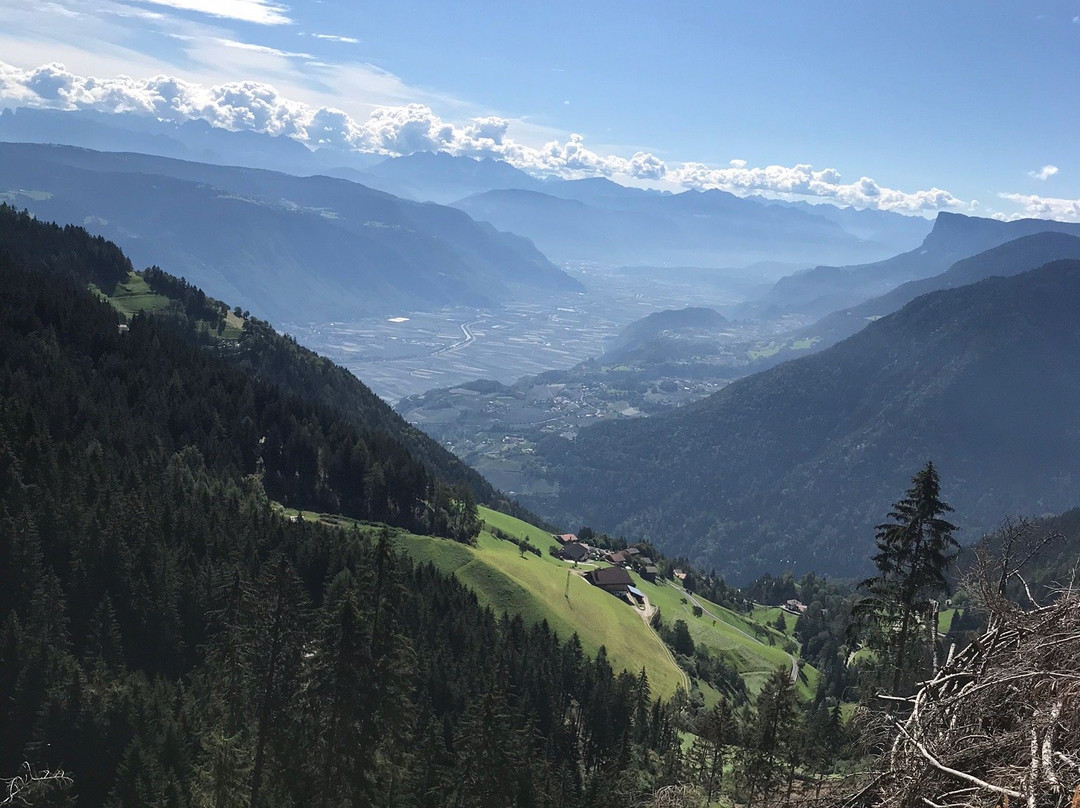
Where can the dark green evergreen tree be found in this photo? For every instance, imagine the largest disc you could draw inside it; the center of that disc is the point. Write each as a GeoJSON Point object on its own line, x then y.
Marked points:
{"type": "Point", "coordinates": [715, 733]}
{"type": "Point", "coordinates": [913, 551]}
{"type": "Point", "coordinates": [769, 736]}
{"type": "Point", "coordinates": [681, 641]}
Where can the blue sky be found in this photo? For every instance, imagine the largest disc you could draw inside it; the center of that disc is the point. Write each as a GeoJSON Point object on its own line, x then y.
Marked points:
{"type": "Point", "coordinates": [969, 106]}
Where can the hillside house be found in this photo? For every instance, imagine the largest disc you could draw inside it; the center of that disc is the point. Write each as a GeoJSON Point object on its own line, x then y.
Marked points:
{"type": "Point", "coordinates": [794, 606]}
{"type": "Point", "coordinates": [572, 551]}
{"type": "Point", "coordinates": [619, 558]}
{"type": "Point", "coordinates": [564, 538]}
{"type": "Point", "coordinates": [650, 573]}
{"type": "Point", "coordinates": [611, 579]}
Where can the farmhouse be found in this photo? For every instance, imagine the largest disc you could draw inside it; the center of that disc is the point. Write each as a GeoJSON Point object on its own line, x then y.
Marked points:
{"type": "Point", "coordinates": [649, 573]}
{"type": "Point", "coordinates": [572, 551]}
{"type": "Point", "coordinates": [564, 538]}
{"type": "Point", "coordinates": [618, 558]}
{"type": "Point", "coordinates": [610, 579]}
{"type": "Point", "coordinates": [794, 606]}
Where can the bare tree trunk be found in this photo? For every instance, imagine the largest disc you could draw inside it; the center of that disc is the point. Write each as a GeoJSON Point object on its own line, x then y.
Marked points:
{"type": "Point", "coordinates": [932, 632]}
{"type": "Point", "coordinates": [901, 652]}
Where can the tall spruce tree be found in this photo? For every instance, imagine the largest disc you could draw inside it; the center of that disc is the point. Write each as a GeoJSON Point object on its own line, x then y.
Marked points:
{"type": "Point", "coordinates": [770, 737]}
{"type": "Point", "coordinates": [716, 731]}
{"type": "Point", "coordinates": [914, 550]}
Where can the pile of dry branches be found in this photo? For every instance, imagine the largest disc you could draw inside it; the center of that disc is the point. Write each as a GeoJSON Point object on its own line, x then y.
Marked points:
{"type": "Point", "coordinates": [999, 723]}
{"type": "Point", "coordinates": [32, 787]}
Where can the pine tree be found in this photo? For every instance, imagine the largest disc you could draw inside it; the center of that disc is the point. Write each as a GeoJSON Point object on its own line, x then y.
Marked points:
{"type": "Point", "coordinates": [914, 550]}
{"type": "Point", "coordinates": [769, 736]}
{"type": "Point", "coordinates": [222, 774]}
{"type": "Point", "coordinates": [277, 634]}
{"type": "Point", "coordinates": [715, 732]}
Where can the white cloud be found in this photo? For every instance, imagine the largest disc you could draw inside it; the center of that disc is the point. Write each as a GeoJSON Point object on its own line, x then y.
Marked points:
{"type": "Point", "coordinates": [335, 38]}
{"type": "Point", "coordinates": [407, 128]}
{"type": "Point", "coordinates": [1042, 207]}
{"type": "Point", "coordinates": [256, 11]}
{"type": "Point", "coordinates": [1044, 173]}
{"type": "Point", "coordinates": [248, 46]}
{"type": "Point", "coordinates": [802, 180]}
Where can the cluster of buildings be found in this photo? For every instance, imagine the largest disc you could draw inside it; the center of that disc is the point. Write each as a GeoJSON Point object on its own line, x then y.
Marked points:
{"type": "Point", "coordinates": [573, 549]}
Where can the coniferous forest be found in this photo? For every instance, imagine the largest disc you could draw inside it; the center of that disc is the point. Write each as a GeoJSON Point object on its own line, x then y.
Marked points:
{"type": "Point", "coordinates": [168, 638]}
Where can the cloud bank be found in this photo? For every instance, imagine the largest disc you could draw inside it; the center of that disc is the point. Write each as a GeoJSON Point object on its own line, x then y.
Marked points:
{"type": "Point", "coordinates": [401, 130]}
{"type": "Point", "coordinates": [1042, 207]}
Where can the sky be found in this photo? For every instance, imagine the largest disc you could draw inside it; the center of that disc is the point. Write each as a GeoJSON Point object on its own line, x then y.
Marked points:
{"type": "Point", "coordinates": [913, 106]}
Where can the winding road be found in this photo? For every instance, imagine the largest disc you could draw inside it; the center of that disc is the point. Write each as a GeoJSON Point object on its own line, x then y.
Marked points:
{"type": "Point", "coordinates": [468, 338]}
{"type": "Point", "coordinates": [646, 615]}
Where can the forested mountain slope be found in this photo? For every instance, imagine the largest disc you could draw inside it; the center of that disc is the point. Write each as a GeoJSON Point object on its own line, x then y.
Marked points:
{"type": "Point", "coordinates": [290, 249]}
{"type": "Point", "coordinates": [794, 466]}
{"type": "Point", "coordinates": [164, 381]}
{"type": "Point", "coordinates": [166, 637]}
{"type": "Point", "coordinates": [671, 323]}
{"type": "Point", "coordinates": [259, 351]}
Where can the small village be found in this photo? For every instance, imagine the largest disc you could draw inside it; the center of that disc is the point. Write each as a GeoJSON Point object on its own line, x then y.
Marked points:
{"type": "Point", "coordinates": [616, 578]}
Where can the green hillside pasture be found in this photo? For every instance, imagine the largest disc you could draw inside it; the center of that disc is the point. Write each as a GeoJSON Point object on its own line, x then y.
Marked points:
{"type": "Point", "coordinates": [544, 588]}
{"type": "Point", "coordinates": [517, 528]}
{"type": "Point", "coordinates": [733, 636]}
{"type": "Point", "coordinates": [766, 616]}
{"type": "Point", "coordinates": [234, 326]}
{"type": "Point", "coordinates": [755, 659]}
{"type": "Point", "coordinates": [538, 588]}
{"type": "Point", "coordinates": [134, 295]}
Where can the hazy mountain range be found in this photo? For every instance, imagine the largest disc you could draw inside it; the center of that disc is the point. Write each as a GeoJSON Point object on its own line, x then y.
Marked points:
{"type": "Point", "coordinates": [1011, 258]}
{"type": "Point", "coordinates": [600, 221]}
{"type": "Point", "coordinates": [291, 248]}
{"type": "Point", "coordinates": [194, 140]}
{"type": "Point", "coordinates": [826, 289]}
{"type": "Point", "coordinates": [570, 220]}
